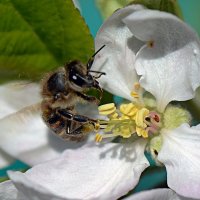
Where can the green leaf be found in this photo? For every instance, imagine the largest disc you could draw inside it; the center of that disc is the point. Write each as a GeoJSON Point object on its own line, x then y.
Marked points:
{"type": "Point", "coordinates": [170, 6]}
{"type": "Point", "coordinates": [41, 35]}
{"type": "Point", "coordinates": [2, 179]}
{"type": "Point", "coordinates": [108, 7]}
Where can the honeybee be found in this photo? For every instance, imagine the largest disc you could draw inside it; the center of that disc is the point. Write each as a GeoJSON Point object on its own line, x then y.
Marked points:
{"type": "Point", "coordinates": [61, 91]}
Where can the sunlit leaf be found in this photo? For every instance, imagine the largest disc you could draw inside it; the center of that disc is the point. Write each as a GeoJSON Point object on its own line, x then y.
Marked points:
{"type": "Point", "coordinates": [108, 7]}
{"type": "Point", "coordinates": [40, 35]}
{"type": "Point", "coordinates": [171, 6]}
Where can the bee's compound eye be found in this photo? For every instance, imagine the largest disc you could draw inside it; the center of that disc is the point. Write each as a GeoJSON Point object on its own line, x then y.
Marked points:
{"type": "Point", "coordinates": [76, 78]}
{"type": "Point", "coordinates": [56, 83]}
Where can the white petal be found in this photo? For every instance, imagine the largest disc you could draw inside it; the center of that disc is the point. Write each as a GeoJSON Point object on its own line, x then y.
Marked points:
{"type": "Point", "coordinates": [27, 190]}
{"type": "Point", "coordinates": [16, 95]}
{"type": "Point", "coordinates": [77, 4]}
{"type": "Point", "coordinates": [5, 159]}
{"type": "Point", "coordinates": [25, 136]}
{"type": "Point", "coordinates": [8, 191]}
{"type": "Point", "coordinates": [157, 194]}
{"type": "Point", "coordinates": [169, 69]}
{"type": "Point", "coordinates": [91, 172]}
{"type": "Point", "coordinates": [118, 56]}
{"type": "Point", "coordinates": [181, 156]}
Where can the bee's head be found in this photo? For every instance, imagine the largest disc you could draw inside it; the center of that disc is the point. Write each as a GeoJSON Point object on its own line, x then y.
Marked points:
{"type": "Point", "coordinates": [79, 78]}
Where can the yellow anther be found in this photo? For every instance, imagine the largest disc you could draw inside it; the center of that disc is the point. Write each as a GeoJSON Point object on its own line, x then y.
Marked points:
{"type": "Point", "coordinates": [113, 115]}
{"type": "Point", "coordinates": [107, 109]}
{"type": "Point", "coordinates": [134, 94]}
{"type": "Point", "coordinates": [140, 116]}
{"type": "Point", "coordinates": [116, 131]}
{"type": "Point", "coordinates": [122, 108]}
{"type": "Point", "coordinates": [125, 132]}
{"type": "Point", "coordinates": [107, 112]}
{"type": "Point", "coordinates": [136, 86]}
{"type": "Point", "coordinates": [128, 109]}
{"type": "Point", "coordinates": [108, 128]}
{"type": "Point", "coordinates": [124, 117]}
{"type": "Point", "coordinates": [144, 134]}
{"type": "Point", "coordinates": [98, 137]}
{"type": "Point", "coordinates": [141, 132]}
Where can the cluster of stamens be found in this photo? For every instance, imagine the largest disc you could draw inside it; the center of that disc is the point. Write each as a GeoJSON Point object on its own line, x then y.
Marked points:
{"type": "Point", "coordinates": [128, 119]}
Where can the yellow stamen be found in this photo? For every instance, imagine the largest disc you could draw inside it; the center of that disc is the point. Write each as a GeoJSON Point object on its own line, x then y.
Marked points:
{"type": "Point", "coordinates": [126, 131]}
{"type": "Point", "coordinates": [128, 120]}
{"type": "Point", "coordinates": [135, 94]}
{"type": "Point", "coordinates": [124, 117]}
{"type": "Point", "coordinates": [140, 116]}
{"type": "Point", "coordinates": [113, 115]}
{"type": "Point", "coordinates": [136, 86]}
{"type": "Point", "coordinates": [141, 132]}
{"type": "Point", "coordinates": [128, 109]}
{"type": "Point", "coordinates": [107, 109]}
{"type": "Point", "coordinates": [98, 137]}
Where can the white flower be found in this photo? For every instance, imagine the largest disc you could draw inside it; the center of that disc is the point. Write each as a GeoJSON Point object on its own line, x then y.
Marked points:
{"type": "Point", "coordinates": [23, 133]}
{"type": "Point", "coordinates": [13, 97]}
{"type": "Point", "coordinates": [157, 194]}
{"type": "Point", "coordinates": [162, 53]}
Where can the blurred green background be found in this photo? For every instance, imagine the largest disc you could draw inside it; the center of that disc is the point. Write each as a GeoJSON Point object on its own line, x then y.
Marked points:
{"type": "Point", "coordinates": [94, 17]}
{"type": "Point", "coordinates": [190, 10]}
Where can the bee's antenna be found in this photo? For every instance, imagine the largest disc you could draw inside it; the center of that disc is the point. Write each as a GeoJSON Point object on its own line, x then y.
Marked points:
{"type": "Point", "coordinates": [91, 60]}
{"type": "Point", "coordinates": [97, 72]}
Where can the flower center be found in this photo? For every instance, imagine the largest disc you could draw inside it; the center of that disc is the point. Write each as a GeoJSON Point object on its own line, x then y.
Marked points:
{"type": "Point", "coordinates": [129, 119]}
{"type": "Point", "coordinates": [139, 118]}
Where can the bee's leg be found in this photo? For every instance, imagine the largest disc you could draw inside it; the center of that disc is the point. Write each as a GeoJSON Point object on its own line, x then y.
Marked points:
{"type": "Point", "coordinates": [78, 118]}
{"type": "Point", "coordinates": [71, 130]}
{"type": "Point", "coordinates": [87, 98]}
{"type": "Point", "coordinates": [68, 126]}
{"type": "Point", "coordinates": [53, 120]}
{"type": "Point", "coordinates": [76, 128]}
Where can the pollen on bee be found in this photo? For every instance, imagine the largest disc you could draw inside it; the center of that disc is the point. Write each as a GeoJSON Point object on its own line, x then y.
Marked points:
{"type": "Point", "coordinates": [97, 126]}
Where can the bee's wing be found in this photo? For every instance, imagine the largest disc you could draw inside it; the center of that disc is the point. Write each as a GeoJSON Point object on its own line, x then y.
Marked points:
{"type": "Point", "coordinates": [18, 94]}
{"type": "Point", "coordinates": [32, 109]}
{"type": "Point", "coordinates": [21, 84]}
{"type": "Point", "coordinates": [24, 135]}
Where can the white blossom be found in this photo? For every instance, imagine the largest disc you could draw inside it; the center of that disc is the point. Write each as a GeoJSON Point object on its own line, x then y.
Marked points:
{"type": "Point", "coordinates": [160, 52]}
